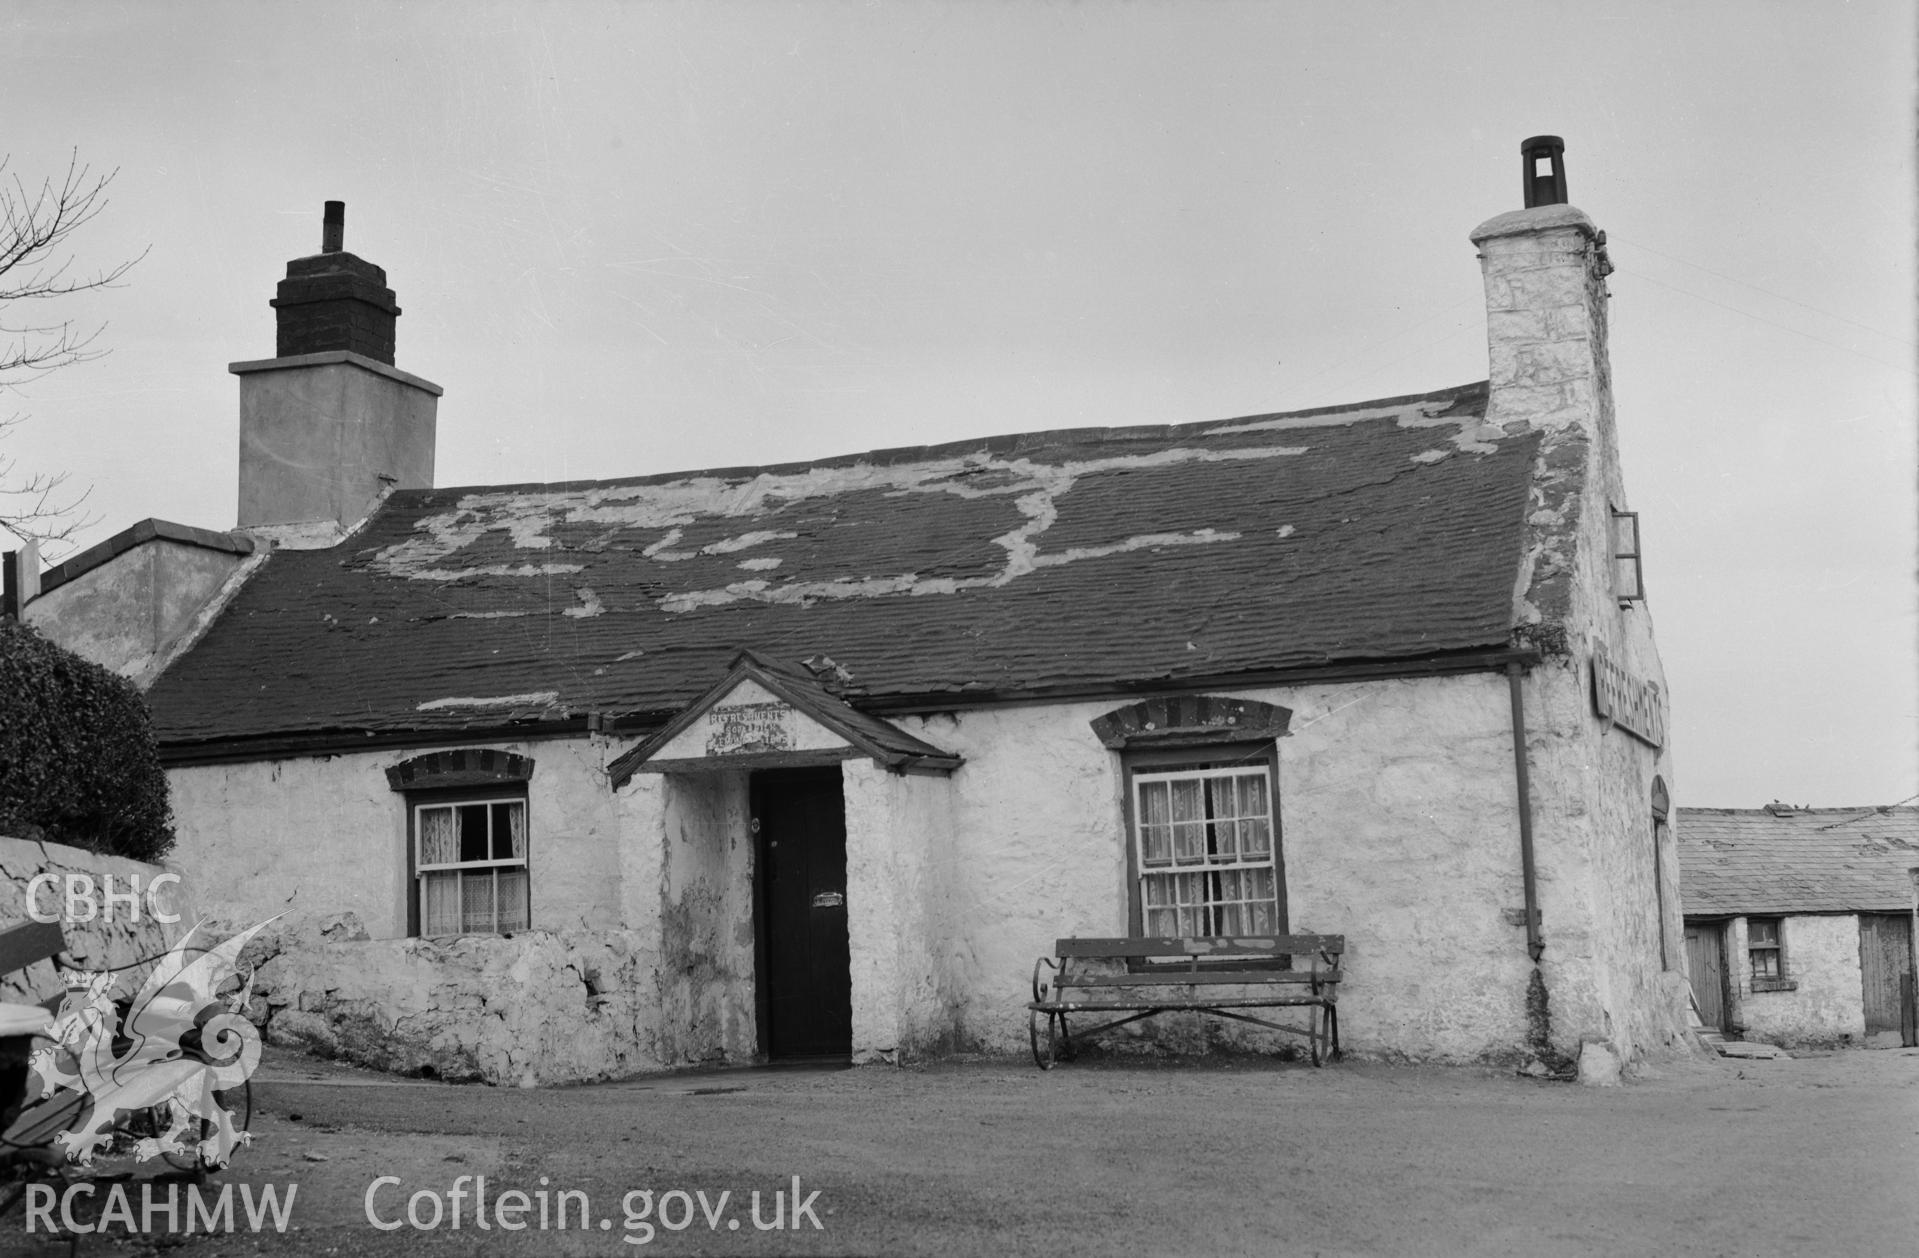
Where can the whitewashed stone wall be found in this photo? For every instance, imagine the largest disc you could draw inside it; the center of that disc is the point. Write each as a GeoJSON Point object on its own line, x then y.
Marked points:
{"type": "Point", "coordinates": [705, 908]}
{"type": "Point", "coordinates": [541, 1007]}
{"type": "Point", "coordinates": [1399, 830]}
{"type": "Point", "coordinates": [322, 835]}
{"type": "Point", "coordinates": [1825, 1006]}
{"type": "Point", "coordinates": [1547, 332]}
{"type": "Point", "coordinates": [900, 923]}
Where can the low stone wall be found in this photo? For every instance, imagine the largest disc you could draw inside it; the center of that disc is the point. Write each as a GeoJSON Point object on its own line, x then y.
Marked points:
{"type": "Point", "coordinates": [541, 1007]}
{"type": "Point", "coordinates": [102, 942]}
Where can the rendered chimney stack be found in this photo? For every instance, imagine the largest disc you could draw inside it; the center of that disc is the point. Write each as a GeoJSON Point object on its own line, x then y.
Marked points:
{"type": "Point", "coordinates": [334, 300]}
{"type": "Point", "coordinates": [329, 424]}
{"type": "Point", "coordinates": [1545, 271]}
{"type": "Point", "coordinates": [1544, 175]}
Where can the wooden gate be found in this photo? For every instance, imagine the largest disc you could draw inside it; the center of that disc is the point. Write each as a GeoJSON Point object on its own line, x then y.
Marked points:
{"type": "Point", "coordinates": [1706, 967]}
{"type": "Point", "coordinates": [1885, 966]}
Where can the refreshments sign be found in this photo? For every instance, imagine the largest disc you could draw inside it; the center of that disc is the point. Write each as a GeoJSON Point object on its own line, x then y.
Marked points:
{"type": "Point", "coordinates": [1630, 702]}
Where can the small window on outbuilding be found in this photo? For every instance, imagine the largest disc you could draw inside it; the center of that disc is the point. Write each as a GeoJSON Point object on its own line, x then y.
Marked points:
{"type": "Point", "coordinates": [1628, 578]}
{"type": "Point", "coordinates": [1766, 953]}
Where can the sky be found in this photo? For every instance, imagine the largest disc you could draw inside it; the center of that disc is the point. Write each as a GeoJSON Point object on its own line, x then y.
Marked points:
{"type": "Point", "coordinates": [641, 238]}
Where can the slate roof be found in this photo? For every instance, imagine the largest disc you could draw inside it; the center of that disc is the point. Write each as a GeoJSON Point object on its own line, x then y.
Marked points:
{"type": "Point", "coordinates": [1736, 861]}
{"type": "Point", "coordinates": [1009, 567]}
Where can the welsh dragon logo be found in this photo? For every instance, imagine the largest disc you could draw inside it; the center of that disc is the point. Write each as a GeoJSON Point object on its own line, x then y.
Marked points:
{"type": "Point", "coordinates": [179, 1044]}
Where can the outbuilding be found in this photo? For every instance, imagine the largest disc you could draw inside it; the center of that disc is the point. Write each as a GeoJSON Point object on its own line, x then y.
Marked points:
{"type": "Point", "coordinates": [1799, 922]}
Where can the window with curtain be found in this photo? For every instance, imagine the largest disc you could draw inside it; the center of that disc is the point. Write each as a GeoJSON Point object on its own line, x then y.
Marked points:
{"type": "Point", "coordinates": [1205, 850]}
{"type": "Point", "coordinates": [470, 866]}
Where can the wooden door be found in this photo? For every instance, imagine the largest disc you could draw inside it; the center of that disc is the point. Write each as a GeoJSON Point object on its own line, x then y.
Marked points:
{"type": "Point", "coordinates": [1706, 967]}
{"type": "Point", "coordinates": [806, 975]}
{"type": "Point", "coordinates": [1885, 959]}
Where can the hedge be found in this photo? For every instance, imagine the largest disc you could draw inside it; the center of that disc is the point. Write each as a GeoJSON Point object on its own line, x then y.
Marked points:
{"type": "Point", "coordinates": [78, 763]}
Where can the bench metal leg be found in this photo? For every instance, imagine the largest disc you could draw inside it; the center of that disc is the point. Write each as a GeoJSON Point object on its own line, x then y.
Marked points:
{"type": "Point", "coordinates": [1046, 1044]}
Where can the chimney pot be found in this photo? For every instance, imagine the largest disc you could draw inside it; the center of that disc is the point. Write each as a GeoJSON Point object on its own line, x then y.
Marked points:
{"type": "Point", "coordinates": [333, 228]}
{"type": "Point", "coordinates": [1543, 170]}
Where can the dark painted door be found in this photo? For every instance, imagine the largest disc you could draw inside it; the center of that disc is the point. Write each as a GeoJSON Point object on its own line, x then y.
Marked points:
{"type": "Point", "coordinates": [1706, 967]}
{"type": "Point", "coordinates": [806, 983]}
{"type": "Point", "coordinates": [1885, 958]}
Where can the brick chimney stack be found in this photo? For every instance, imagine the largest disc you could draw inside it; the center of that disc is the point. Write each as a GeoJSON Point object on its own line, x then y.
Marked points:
{"type": "Point", "coordinates": [334, 300]}
{"type": "Point", "coordinates": [329, 423]}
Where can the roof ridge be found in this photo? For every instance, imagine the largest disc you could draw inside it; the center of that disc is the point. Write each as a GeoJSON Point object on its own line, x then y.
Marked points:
{"type": "Point", "coordinates": [988, 441]}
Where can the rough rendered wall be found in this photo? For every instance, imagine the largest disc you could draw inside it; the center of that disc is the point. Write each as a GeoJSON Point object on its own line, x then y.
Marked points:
{"type": "Point", "coordinates": [322, 835]}
{"type": "Point", "coordinates": [705, 907]}
{"type": "Point", "coordinates": [540, 1007]}
{"type": "Point", "coordinates": [1827, 1004]}
{"type": "Point", "coordinates": [1398, 831]}
{"type": "Point", "coordinates": [899, 850]}
{"type": "Point", "coordinates": [103, 941]}
{"type": "Point", "coordinates": [125, 614]}
{"type": "Point", "coordinates": [1593, 835]}
{"type": "Point", "coordinates": [1547, 331]}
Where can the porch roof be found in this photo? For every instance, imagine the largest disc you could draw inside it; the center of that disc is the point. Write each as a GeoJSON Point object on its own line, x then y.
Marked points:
{"type": "Point", "coordinates": [867, 735]}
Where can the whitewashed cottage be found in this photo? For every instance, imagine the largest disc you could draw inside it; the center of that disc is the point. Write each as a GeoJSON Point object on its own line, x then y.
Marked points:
{"type": "Point", "coordinates": [815, 759]}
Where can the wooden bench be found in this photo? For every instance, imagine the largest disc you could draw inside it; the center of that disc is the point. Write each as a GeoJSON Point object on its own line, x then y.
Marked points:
{"type": "Point", "coordinates": [1140, 977]}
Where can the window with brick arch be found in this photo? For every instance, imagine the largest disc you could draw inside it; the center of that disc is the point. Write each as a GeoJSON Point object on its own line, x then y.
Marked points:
{"type": "Point", "coordinates": [1204, 843]}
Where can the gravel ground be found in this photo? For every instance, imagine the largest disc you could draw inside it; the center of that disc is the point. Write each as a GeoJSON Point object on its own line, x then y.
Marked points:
{"type": "Point", "coordinates": [1810, 1155]}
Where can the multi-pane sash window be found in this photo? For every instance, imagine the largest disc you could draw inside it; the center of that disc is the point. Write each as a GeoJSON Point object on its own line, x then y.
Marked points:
{"type": "Point", "coordinates": [1204, 850]}
{"type": "Point", "coordinates": [470, 859]}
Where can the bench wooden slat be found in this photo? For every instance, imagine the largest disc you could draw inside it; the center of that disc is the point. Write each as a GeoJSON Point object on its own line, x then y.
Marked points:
{"type": "Point", "coordinates": [29, 942]}
{"type": "Point", "coordinates": [1222, 946]}
{"type": "Point", "coordinates": [1199, 978]}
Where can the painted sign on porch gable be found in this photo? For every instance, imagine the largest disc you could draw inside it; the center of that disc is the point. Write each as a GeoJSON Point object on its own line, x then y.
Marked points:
{"type": "Point", "coordinates": [750, 719]}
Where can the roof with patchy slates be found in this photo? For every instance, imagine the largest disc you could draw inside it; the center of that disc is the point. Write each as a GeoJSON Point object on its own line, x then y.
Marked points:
{"type": "Point", "coordinates": [1009, 566]}
{"type": "Point", "coordinates": [1736, 861]}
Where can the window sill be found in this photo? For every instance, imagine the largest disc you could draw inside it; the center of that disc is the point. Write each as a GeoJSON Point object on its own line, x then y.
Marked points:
{"type": "Point", "coordinates": [1775, 985]}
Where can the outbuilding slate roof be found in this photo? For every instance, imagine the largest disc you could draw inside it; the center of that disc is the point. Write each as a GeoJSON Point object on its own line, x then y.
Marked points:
{"type": "Point", "coordinates": [1736, 861]}
{"type": "Point", "coordinates": [1009, 567]}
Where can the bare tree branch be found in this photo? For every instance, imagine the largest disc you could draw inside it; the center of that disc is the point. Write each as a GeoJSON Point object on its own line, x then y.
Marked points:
{"type": "Point", "coordinates": [35, 265]}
